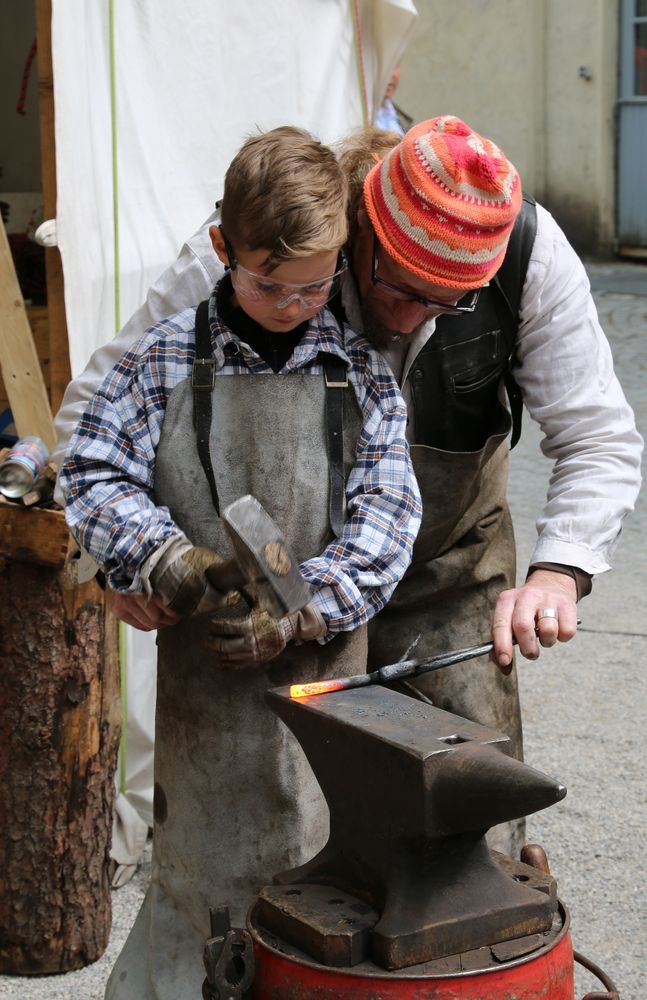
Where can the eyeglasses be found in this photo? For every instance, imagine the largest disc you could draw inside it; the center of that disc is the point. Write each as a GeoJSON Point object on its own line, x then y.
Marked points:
{"type": "Point", "coordinates": [259, 287]}
{"type": "Point", "coordinates": [466, 304]}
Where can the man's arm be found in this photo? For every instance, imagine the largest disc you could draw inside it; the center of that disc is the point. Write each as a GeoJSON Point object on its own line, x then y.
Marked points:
{"type": "Point", "coordinates": [565, 372]}
{"type": "Point", "coordinates": [187, 281]}
{"type": "Point", "coordinates": [143, 613]}
{"type": "Point", "coordinates": [518, 612]}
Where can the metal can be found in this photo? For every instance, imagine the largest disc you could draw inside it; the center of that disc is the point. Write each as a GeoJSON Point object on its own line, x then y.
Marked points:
{"type": "Point", "coordinates": [22, 466]}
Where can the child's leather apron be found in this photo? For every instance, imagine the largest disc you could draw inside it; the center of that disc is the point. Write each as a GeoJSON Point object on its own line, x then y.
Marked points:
{"type": "Point", "coordinates": [235, 799]}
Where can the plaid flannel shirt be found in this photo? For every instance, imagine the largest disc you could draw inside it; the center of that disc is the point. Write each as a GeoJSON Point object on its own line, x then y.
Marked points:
{"type": "Point", "coordinates": [108, 474]}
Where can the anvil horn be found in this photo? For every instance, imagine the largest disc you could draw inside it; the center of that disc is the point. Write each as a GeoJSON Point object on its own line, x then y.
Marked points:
{"type": "Point", "coordinates": [477, 787]}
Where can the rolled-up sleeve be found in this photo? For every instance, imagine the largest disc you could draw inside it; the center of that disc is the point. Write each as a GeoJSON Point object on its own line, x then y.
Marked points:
{"type": "Point", "coordinates": [107, 477]}
{"type": "Point", "coordinates": [357, 573]}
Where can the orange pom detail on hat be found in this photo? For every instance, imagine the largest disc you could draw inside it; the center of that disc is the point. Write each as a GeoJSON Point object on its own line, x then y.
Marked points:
{"type": "Point", "coordinates": [443, 203]}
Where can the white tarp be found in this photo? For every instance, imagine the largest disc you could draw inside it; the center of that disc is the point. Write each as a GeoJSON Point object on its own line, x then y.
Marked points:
{"type": "Point", "coordinates": [190, 81]}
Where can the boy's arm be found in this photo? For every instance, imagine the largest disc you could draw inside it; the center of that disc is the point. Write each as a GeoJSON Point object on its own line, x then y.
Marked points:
{"type": "Point", "coordinates": [357, 573]}
{"type": "Point", "coordinates": [107, 481]}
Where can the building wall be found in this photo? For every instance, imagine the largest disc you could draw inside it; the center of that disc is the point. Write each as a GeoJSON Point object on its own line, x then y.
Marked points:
{"type": "Point", "coordinates": [509, 68]}
{"type": "Point", "coordinates": [20, 181]}
{"type": "Point", "coordinates": [540, 78]}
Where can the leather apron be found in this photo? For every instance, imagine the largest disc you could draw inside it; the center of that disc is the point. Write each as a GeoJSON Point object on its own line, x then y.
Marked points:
{"type": "Point", "coordinates": [235, 799]}
{"type": "Point", "coordinates": [463, 558]}
{"type": "Point", "coordinates": [464, 555]}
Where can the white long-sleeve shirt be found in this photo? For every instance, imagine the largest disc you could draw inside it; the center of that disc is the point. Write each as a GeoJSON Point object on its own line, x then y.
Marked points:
{"type": "Point", "coordinates": [565, 374]}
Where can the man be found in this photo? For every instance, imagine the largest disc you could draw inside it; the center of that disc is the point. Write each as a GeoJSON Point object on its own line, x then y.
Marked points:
{"type": "Point", "coordinates": [436, 227]}
{"type": "Point", "coordinates": [389, 117]}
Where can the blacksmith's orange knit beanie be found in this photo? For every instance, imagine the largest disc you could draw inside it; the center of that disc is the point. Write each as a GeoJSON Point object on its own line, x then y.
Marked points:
{"type": "Point", "coordinates": [443, 203]}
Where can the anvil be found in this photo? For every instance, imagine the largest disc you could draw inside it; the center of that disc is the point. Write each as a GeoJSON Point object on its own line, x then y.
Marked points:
{"type": "Point", "coordinates": [412, 791]}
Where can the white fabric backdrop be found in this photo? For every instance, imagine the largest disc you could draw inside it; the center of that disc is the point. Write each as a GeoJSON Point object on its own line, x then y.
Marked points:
{"type": "Point", "coordinates": [192, 79]}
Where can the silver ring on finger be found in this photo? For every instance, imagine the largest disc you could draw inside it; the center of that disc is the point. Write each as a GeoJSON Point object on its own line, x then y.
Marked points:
{"type": "Point", "coordinates": [547, 613]}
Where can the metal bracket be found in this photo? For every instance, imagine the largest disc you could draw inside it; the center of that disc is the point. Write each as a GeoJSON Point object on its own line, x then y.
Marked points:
{"type": "Point", "coordinates": [228, 960]}
{"type": "Point", "coordinates": [334, 384]}
{"type": "Point", "coordinates": [201, 380]}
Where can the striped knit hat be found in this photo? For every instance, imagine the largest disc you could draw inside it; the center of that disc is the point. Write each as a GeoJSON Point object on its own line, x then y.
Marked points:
{"type": "Point", "coordinates": [443, 203]}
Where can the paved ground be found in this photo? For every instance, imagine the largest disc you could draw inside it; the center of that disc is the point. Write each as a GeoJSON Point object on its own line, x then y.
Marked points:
{"type": "Point", "coordinates": [585, 703]}
{"type": "Point", "coordinates": [585, 717]}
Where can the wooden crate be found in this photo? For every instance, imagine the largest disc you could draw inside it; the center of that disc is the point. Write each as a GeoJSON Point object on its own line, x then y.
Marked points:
{"type": "Point", "coordinates": [35, 535]}
{"type": "Point", "coordinates": [38, 320]}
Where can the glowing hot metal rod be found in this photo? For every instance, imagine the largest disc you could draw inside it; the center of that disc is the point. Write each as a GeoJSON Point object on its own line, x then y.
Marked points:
{"type": "Point", "coordinates": [393, 671]}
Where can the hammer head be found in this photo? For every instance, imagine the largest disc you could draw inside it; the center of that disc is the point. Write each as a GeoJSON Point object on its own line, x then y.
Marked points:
{"type": "Point", "coordinates": [264, 558]}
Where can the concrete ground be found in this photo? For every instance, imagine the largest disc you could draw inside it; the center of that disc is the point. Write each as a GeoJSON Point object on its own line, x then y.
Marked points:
{"type": "Point", "coordinates": [585, 703]}
{"type": "Point", "coordinates": [584, 709]}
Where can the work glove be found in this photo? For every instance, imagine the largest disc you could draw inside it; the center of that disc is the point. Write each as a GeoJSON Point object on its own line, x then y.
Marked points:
{"type": "Point", "coordinates": [257, 637]}
{"type": "Point", "coordinates": [179, 573]}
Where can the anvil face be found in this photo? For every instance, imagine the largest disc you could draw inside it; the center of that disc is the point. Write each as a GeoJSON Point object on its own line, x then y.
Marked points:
{"type": "Point", "coordinates": [412, 791]}
{"type": "Point", "coordinates": [380, 715]}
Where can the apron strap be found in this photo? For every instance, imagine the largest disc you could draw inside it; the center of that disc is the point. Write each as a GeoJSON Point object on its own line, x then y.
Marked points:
{"type": "Point", "coordinates": [336, 377]}
{"type": "Point", "coordinates": [203, 378]}
{"type": "Point", "coordinates": [510, 279]}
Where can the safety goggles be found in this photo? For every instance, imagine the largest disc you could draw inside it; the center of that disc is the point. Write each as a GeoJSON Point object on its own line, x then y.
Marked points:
{"type": "Point", "coordinates": [466, 304]}
{"type": "Point", "coordinates": [260, 287]}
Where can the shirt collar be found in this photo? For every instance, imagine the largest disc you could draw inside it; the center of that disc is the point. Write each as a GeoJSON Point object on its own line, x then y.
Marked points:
{"type": "Point", "coordinates": [322, 334]}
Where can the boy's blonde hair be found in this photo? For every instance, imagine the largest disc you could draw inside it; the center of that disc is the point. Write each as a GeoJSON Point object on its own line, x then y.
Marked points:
{"type": "Point", "coordinates": [285, 191]}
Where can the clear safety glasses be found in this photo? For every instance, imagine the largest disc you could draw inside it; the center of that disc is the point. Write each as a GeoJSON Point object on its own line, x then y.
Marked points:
{"type": "Point", "coordinates": [466, 304]}
{"type": "Point", "coordinates": [260, 287]}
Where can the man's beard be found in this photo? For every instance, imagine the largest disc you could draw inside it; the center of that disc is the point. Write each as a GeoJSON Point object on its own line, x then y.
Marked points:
{"type": "Point", "coordinates": [378, 333]}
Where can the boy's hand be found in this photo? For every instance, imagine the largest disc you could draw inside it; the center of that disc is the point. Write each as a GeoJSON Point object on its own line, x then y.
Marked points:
{"type": "Point", "coordinates": [180, 577]}
{"type": "Point", "coordinates": [258, 638]}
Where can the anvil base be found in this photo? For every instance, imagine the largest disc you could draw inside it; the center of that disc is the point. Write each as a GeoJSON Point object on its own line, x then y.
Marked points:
{"type": "Point", "coordinates": [495, 899]}
{"type": "Point", "coordinates": [535, 966]}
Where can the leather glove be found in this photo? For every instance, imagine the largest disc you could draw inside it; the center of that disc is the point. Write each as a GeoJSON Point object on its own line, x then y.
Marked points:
{"type": "Point", "coordinates": [257, 637]}
{"type": "Point", "coordinates": [179, 573]}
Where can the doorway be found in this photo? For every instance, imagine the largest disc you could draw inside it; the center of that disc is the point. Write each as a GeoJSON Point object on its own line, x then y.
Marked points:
{"type": "Point", "coordinates": [632, 130]}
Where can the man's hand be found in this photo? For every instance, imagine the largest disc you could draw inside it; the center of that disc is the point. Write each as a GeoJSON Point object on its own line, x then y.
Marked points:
{"type": "Point", "coordinates": [521, 613]}
{"type": "Point", "coordinates": [140, 612]}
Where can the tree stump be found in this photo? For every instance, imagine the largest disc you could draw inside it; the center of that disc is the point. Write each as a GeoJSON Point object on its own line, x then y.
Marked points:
{"type": "Point", "coordinates": [59, 732]}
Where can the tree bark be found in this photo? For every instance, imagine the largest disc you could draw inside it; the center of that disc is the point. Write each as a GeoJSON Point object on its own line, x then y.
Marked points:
{"type": "Point", "coordinates": [59, 731]}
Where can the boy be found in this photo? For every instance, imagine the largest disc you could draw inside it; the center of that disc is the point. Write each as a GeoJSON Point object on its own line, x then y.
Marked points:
{"type": "Point", "coordinates": [168, 440]}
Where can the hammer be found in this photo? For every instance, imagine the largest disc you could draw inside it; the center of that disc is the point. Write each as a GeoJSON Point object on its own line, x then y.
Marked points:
{"type": "Point", "coordinates": [261, 558]}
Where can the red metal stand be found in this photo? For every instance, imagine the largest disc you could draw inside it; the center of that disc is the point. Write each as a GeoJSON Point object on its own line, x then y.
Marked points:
{"type": "Point", "coordinates": [546, 974]}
